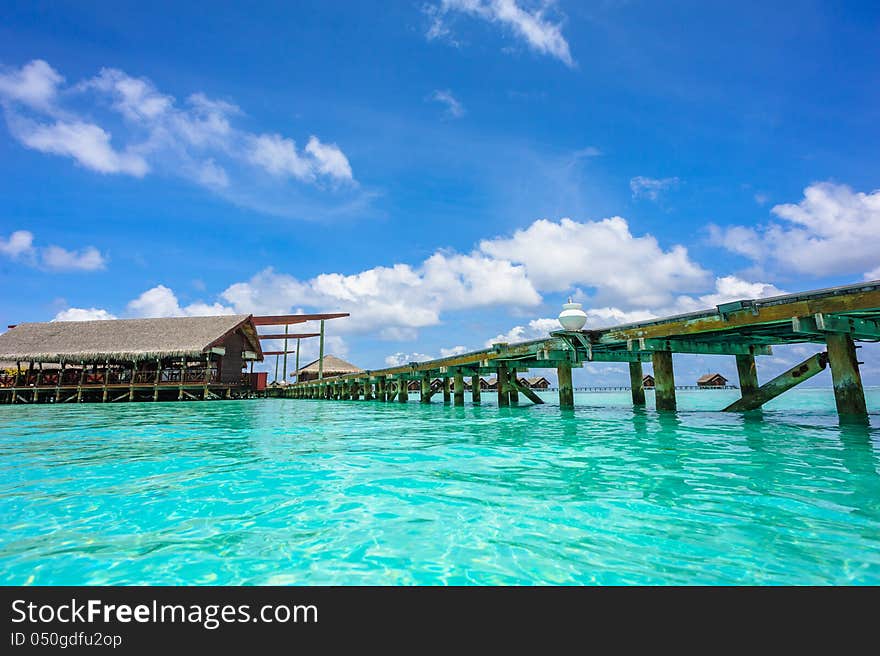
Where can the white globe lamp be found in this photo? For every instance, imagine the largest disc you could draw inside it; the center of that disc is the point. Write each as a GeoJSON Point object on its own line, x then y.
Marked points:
{"type": "Point", "coordinates": [572, 316]}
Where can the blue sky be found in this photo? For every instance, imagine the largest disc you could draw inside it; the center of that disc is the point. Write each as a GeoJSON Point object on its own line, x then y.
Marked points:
{"type": "Point", "coordinates": [447, 171]}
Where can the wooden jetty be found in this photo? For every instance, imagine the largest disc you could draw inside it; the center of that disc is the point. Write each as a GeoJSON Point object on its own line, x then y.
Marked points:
{"type": "Point", "coordinates": [834, 318]}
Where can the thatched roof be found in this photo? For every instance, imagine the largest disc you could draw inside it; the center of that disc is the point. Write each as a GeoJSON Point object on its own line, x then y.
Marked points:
{"type": "Point", "coordinates": [121, 339]}
{"type": "Point", "coordinates": [706, 378]}
{"type": "Point", "coordinates": [332, 366]}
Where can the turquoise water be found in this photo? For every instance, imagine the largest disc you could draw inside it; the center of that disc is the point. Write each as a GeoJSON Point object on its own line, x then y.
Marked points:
{"type": "Point", "coordinates": [351, 492]}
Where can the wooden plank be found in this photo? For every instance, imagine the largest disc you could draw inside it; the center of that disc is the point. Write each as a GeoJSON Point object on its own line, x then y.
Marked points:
{"type": "Point", "coordinates": [290, 319]}
{"type": "Point", "coordinates": [695, 346]}
{"type": "Point", "coordinates": [288, 336]}
{"type": "Point", "coordinates": [782, 383]}
{"type": "Point", "coordinates": [529, 394]}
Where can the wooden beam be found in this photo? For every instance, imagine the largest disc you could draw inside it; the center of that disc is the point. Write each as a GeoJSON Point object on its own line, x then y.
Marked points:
{"type": "Point", "coordinates": [290, 319]}
{"type": "Point", "coordinates": [819, 324]}
{"type": "Point", "coordinates": [530, 395]}
{"type": "Point", "coordinates": [503, 396]}
{"type": "Point", "coordinates": [748, 375]}
{"type": "Point", "coordinates": [458, 391]}
{"type": "Point", "coordinates": [425, 395]}
{"type": "Point", "coordinates": [695, 346]}
{"type": "Point", "coordinates": [782, 383]}
{"type": "Point", "coordinates": [475, 389]}
{"type": "Point", "coordinates": [289, 336]}
{"type": "Point", "coordinates": [445, 385]}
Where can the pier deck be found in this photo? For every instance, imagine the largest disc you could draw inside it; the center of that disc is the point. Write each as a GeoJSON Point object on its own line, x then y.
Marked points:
{"type": "Point", "coordinates": [834, 318]}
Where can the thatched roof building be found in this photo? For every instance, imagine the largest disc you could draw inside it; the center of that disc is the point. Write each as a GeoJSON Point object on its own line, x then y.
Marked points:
{"type": "Point", "coordinates": [333, 366]}
{"type": "Point", "coordinates": [128, 340]}
{"type": "Point", "coordinates": [711, 380]}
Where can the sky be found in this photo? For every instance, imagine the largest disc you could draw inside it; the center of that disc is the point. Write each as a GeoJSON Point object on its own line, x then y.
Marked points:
{"type": "Point", "coordinates": [447, 171]}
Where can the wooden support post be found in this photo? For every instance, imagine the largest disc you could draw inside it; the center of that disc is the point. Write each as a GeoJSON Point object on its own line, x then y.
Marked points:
{"type": "Point", "coordinates": [82, 379]}
{"type": "Point", "coordinates": [636, 383]}
{"type": "Point", "coordinates": [475, 389]}
{"type": "Point", "coordinates": [512, 389]}
{"type": "Point", "coordinates": [782, 383]}
{"type": "Point", "coordinates": [37, 382]}
{"type": "Point", "coordinates": [17, 379]}
{"type": "Point", "coordinates": [157, 379]}
{"type": "Point", "coordinates": [276, 370]}
{"type": "Point", "coordinates": [321, 352]}
{"type": "Point", "coordinates": [425, 396]}
{"type": "Point", "coordinates": [183, 374]}
{"type": "Point", "coordinates": [207, 375]}
{"type": "Point", "coordinates": [284, 370]}
{"type": "Point", "coordinates": [458, 388]}
{"type": "Point", "coordinates": [134, 368]}
{"type": "Point", "coordinates": [446, 397]}
{"type": "Point", "coordinates": [848, 391]}
{"type": "Point", "coordinates": [664, 380]}
{"type": "Point", "coordinates": [58, 384]}
{"type": "Point", "coordinates": [566, 388]}
{"type": "Point", "coordinates": [748, 376]}
{"type": "Point", "coordinates": [380, 388]}
{"type": "Point", "coordinates": [297, 360]}
{"type": "Point", "coordinates": [503, 397]}
{"type": "Point", "coordinates": [403, 394]}
{"type": "Point", "coordinates": [106, 380]}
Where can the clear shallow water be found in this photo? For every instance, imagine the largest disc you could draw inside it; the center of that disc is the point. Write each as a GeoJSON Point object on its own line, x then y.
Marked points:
{"type": "Point", "coordinates": [322, 492]}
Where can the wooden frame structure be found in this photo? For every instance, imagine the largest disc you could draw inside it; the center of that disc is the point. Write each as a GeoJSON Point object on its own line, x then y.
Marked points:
{"type": "Point", "coordinates": [835, 318]}
{"type": "Point", "coordinates": [288, 320]}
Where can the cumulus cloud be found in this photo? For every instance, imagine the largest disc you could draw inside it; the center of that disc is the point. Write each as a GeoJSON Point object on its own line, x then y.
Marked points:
{"type": "Point", "coordinates": [114, 123]}
{"type": "Point", "coordinates": [454, 108]}
{"type": "Point", "coordinates": [20, 246]}
{"type": "Point", "coordinates": [530, 25]}
{"type": "Point", "coordinates": [651, 188]}
{"type": "Point", "coordinates": [399, 359]}
{"type": "Point", "coordinates": [161, 301]}
{"type": "Point", "coordinates": [83, 314]}
{"type": "Point", "coordinates": [833, 230]}
{"type": "Point", "coordinates": [601, 254]}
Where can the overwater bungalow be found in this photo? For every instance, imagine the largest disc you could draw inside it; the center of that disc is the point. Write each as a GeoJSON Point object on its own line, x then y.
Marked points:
{"type": "Point", "coordinates": [128, 359]}
{"type": "Point", "coordinates": [647, 381]}
{"type": "Point", "coordinates": [712, 380]}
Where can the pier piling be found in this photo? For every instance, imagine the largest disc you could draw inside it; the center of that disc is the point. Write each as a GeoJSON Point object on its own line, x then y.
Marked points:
{"type": "Point", "coordinates": [664, 380]}
{"type": "Point", "coordinates": [566, 388]}
{"type": "Point", "coordinates": [475, 389]}
{"type": "Point", "coordinates": [748, 376]}
{"type": "Point", "coordinates": [503, 397]}
{"type": "Point", "coordinates": [459, 388]}
{"type": "Point", "coordinates": [848, 391]}
{"type": "Point", "coordinates": [636, 383]}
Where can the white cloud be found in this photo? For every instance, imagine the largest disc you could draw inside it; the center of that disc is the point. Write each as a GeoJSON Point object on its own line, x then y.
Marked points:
{"type": "Point", "coordinates": [833, 230]}
{"type": "Point", "coordinates": [83, 314]}
{"type": "Point", "coordinates": [19, 244]}
{"type": "Point", "coordinates": [160, 301]}
{"type": "Point", "coordinates": [643, 187]}
{"type": "Point", "coordinates": [601, 254]}
{"type": "Point", "coordinates": [727, 288]}
{"type": "Point", "coordinates": [35, 85]}
{"type": "Point", "coordinates": [454, 109]}
{"type": "Point", "coordinates": [530, 25]}
{"type": "Point", "coordinates": [873, 275]}
{"type": "Point", "coordinates": [61, 259]}
{"type": "Point", "coordinates": [398, 359]}
{"type": "Point", "coordinates": [453, 350]}
{"type": "Point", "coordinates": [87, 143]}
{"type": "Point", "coordinates": [114, 123]}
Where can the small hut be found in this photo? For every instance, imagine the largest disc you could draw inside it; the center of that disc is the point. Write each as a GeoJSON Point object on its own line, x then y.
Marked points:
{"type": "Point", "coordinates": [712, 380]}
{"type": "Point", "coordinates": [648, 381]}
{"type": "Point", "coordinates": [538, 383]}
{"type": "Point", "coordinates": [333, 366]}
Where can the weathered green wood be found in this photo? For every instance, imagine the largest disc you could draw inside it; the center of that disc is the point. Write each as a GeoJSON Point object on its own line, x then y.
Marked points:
{"type": "Point", "coordinates": [856, 327]}
{"type": "Point", "coordinates": [664, 380]}
{"type": "Point", "coordinates": [848, 391]}
{"type": "Point", "coordinates": [748, 375]}
{"type": "Point", "coordinates": [512, 390]}
{"type": "Point", "coordinates": [636, 383]}
{"type": "Point", "coordinates": [381, 394]}
{"type": "Point", "coordinates": [503, 396]}
{"type": "Point", "coordinates": [446, 390]}
{"type": "Point", "coordinates": [699, 347]}
{"type": "Point", "coordinates": [782, 383]}
{"type": "Point", "coordinates": [530, 395]}
{"type": "Point", "coordinates": [458, 392]}
{"type": "Point", "coordinates": [403, 393]}
{"type": "Point", "coordinates": [425, 396]}
{"type": "Point", "coordinates": [475, 389]}
{"type": "Point", "coordinates": [566, 388]}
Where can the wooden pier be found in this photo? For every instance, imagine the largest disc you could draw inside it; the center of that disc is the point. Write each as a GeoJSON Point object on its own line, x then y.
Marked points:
{"type": "Point", "coordinates": [834, 319]}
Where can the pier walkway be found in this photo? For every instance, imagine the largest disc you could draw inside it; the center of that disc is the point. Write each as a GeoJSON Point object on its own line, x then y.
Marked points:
{"type": "Point", "coordinates": [834, 319]}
